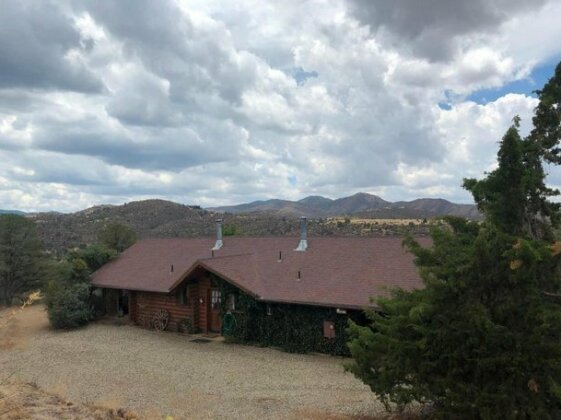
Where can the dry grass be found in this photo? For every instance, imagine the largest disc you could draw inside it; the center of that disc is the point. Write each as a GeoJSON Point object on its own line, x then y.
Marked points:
{"type": "Point", "coordinates": [18, 324]}
{"type": "Point", "coordinates": [8, 314]}
{"type": "Point", "coordinates": [381, 222]}
{"type": "Point", "coordinates": [26, 401]}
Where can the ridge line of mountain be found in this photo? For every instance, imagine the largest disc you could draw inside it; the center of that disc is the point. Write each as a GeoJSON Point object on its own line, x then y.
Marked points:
{"type": "Point", "coordinates": [359, 203]}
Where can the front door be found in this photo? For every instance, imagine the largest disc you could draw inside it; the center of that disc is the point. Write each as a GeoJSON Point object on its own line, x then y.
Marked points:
{"type": "Point", "coordinates": [214, 315]}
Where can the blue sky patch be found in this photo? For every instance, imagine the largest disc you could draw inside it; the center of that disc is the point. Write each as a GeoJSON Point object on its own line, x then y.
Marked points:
{"type": "Point", "coordinates": [300, 75]}
{"type": "Point", "coordinates": [451, 98]}
{"type": "Point", "coordinates": [539, 76]}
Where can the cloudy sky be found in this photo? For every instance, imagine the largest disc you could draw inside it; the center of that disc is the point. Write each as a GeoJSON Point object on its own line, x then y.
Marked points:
{"type": "Point", "coordinates": [220, 102]}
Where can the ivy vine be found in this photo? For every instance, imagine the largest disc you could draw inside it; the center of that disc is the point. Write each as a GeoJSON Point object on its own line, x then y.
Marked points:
{"type": "Point", "coordinates": [293, 328]}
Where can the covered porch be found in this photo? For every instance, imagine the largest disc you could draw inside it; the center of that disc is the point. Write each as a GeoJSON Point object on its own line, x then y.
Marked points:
{"type": "Point", "coordinates": [194, 304]}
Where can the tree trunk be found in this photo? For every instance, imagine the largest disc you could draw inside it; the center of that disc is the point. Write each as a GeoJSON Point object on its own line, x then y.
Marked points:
{"type": "Point", "coordinates": [3, 296]}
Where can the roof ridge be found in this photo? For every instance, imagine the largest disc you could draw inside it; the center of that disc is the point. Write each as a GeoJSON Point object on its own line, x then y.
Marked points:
{"type": "Point", "coordinates": [291, 237]}
{"type": "Point", "coordinates": [243, 254]}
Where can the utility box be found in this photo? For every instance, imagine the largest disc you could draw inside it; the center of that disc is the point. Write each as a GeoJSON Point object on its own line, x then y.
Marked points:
{"type": "Point", "coordinates": [328, 329]}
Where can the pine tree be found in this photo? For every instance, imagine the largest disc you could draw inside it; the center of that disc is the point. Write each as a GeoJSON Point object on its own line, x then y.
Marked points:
{"type": "Point", "coordinates": [482, 339]}
{"type": "Point", "coordinates": [21, 257]}
{"type": "Point", "coordinates": [117, 236]}
{"type": "Point", "coordinates": [502, 195]}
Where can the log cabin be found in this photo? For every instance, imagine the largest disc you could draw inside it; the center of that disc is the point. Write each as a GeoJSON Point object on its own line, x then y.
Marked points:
{"type": "Point", "coordinates": [206, 280]}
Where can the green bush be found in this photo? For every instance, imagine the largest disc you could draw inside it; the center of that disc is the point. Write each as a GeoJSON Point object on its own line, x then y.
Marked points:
{"type": "Point", "coordinates": [69, 307]}
{"type": "Point", "coordinates": [69, 300]}
{"type": "Point", "coordinates": [67, 294]}
{"type": "Point", "coordinates": [117, 236]}
{"type": "Point", "coordinates": [231, 230]}
{"type": "Point", "coordinates": [186, 325]}
{"type": "Point", "coordinates": [94, 256]}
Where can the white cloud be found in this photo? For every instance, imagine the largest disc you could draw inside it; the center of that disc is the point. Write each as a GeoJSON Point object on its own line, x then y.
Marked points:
{"type": "Point", "coordinates": [211, 103]}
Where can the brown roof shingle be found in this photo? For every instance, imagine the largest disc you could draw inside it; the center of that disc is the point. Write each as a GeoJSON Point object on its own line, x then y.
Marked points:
{"type": "Point", "coordinates": [334, 271]}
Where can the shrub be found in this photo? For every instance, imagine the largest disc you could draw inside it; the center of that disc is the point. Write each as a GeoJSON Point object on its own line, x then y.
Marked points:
{"type": "Point", "coordinates": [186, 326]}
{"type": "Point", "coordinates": [69, 307]}
{"type": "Point", "coordinates": [67, 294]}
{"type": "Point", "coordinates": [94, 256]}
{"type": "Point", "coordinates": [69, 300]}
{"type": "Point", "coordinates": [231, 230]}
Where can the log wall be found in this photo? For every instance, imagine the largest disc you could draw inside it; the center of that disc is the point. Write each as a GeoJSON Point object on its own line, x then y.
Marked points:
{"type": "Point", "coordinates": [143, 306]}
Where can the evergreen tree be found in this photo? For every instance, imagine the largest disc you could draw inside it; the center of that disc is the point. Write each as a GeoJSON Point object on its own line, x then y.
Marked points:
{"type": "Point", "coordinates": [95, 256]}
{"type": "Point", "coordinates": [502, 195]}
{"type": "Point", "coordinates": [21, 257]}
{"type": "Point", "coordinates": [117, 236]}
{"type": "Point", "coordinates": [547, 119]}
{"type": "Point", "coordinates": [482, 339]}
{"type": "Point", "coordinates": [68, 296]}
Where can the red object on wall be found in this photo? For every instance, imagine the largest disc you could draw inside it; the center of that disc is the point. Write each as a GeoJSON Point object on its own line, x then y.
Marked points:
{"type": "Point", "coordinates": [328, 329]}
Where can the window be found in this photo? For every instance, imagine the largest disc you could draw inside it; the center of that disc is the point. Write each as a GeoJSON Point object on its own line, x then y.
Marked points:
{"type": "Point", "coordinates": [181, 296]}
{"type": "Point", "coordinates": [231, 302]}
{"type": "Point", "coordinates": [215, 299]}
{"type": "Point", "coordinates": [185, 295]}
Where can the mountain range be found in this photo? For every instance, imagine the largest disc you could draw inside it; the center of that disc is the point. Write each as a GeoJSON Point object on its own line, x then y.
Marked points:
{"type": "Point", "coordinates": [160, 218]}
{"type": "Point", "coordinates": [361, 204]}
{"type": "Point", "coordinates": [20, 213]}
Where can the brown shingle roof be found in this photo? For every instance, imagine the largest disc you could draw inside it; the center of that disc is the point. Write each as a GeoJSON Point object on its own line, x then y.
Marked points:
{"type": "Point", "coordinates": [342, 272]}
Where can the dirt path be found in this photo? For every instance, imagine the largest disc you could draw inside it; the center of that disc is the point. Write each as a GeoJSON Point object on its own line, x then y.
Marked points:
{"type": "Point", "coordinates": [165, 374]}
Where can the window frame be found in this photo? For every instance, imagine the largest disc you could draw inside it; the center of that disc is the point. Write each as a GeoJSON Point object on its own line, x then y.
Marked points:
{"type": "Point", "coordinates": [231, 302]}
{"type": "Point", "coordinates": [184, 296]}
{"type": "Point", "coordinates": [215, 299]}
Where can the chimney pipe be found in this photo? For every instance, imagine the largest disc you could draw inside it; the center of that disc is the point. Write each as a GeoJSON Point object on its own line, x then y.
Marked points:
{"type": "Point", "coordinates": [303, 244]}
{"type": "Point", "coordinates": [218, 243]}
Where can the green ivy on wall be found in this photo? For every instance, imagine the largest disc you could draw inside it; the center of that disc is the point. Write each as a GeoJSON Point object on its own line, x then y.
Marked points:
{"type": "Point", "coordinates": [293, 328]}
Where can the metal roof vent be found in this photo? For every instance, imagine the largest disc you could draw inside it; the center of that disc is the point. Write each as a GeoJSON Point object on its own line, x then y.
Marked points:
{"type": "Point", "coordinates": [303, 244]}
{"type": "Point", "coordinates": [219, 242]}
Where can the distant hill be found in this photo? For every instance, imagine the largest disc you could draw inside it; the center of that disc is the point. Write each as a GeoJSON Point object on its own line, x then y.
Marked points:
{"type": "Point", "coordinates": [357, 203]}
{"type": "Point", "coordinates": [160, 218]}
{"type": "Point", "coordinates": [440, 207]}
{"type": "Point", "coordinates": [150, 218]}
{"type": "Point", "coordinates": [367, 205]}
{"type": "Point", "coordinates": [316, 201]}
{"type": "Point", "coordinates": [20, 213]}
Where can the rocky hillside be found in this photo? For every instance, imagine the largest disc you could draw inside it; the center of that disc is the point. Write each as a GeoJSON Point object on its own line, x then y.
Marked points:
{"type": "Point", "coordinates": [367, 205]}
{"type": "Point", "coordinates": [150, 218]}
{"type": "Point", "coordinates": [159, 218]}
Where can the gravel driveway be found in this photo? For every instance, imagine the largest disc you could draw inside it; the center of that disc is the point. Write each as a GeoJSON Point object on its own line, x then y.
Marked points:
{"type": "Point", "coordinates": [158, 374]}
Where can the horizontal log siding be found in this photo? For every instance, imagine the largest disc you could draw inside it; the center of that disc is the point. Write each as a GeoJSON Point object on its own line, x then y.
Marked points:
{"type": "Point", "coordinates": [132, 305]}
{"type": "Point", "coordinates": [146, 304]}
